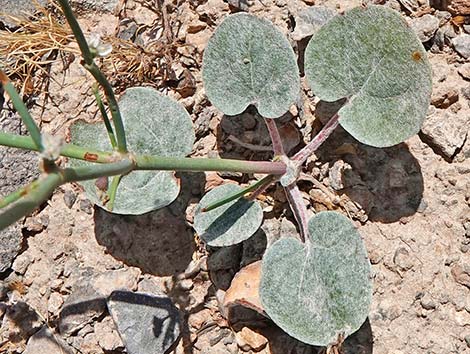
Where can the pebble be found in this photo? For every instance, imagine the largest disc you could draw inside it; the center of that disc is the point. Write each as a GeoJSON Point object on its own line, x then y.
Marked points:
{"type": "Point", "coordinates": [427, 302]}
{"type": "Point", "coordinates": [69, 198]}
{"type": "Point", "coordinates": [461, 275]}
{"type": "Point", "coordinates": [467, 340]}
{"type": "Point", "coordinates": [147, 324]}
{"type": "Point", "coordinates": [425, 27]}
{"type": "Point", "coordinates": [21, 263]}
{"type": "Point", "coordinates": [445, 132]}
{"type": "Point", "coordinates": [247, 340]}
{"type": "Point", "coordinates": [403, 259]}
{"type": "Point", "coordinates": [86, 206]}
{"type": "Point", "coordinates": [310, 20]}
{"type": "Point", "coordinates": [54, 304]}
{"type": "Point", "coordinates": [108, 337]}
{"type": "Point", "coordinates": [464, 71]}
{"type": "Point", "coordinates": [44, 341]}
{"type": "Point", "coordinates": [111, 280]}
{"type": "Point", "coordinates": [462, 45]}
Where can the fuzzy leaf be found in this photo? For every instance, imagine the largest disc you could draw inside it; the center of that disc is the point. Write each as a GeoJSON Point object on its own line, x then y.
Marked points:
{"type": "Point", "coordinates": [230, 223]}
{"type": "Point", "coordinates": [249, 61]}
{"type": "Point", "coordinates": [372, 57]}
{"type": "Point", "coordinates": [155, 124]}
{"type": "Point", "coordinates": [318, 290]}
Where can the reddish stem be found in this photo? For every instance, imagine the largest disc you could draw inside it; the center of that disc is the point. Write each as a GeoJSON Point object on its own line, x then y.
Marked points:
{"type": "Point", "coordinates": [275, 137]}
{"type": "Point", "coordinates": [297, 205]}
{"type": "Point", "coordinates": [319, 139]}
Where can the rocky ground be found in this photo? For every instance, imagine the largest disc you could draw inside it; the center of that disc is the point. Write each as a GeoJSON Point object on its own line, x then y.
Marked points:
{"type": "Point", "coordinates": [75, 278]}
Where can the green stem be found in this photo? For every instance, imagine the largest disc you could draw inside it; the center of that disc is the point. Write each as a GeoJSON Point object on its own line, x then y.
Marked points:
{"type": "Point", "coordinates": [90, 65]}
{"type": "Point", "coordinates": [106, 120]}
{"type": "Point", "coordinates": [40, 190]}
{"type": "Point", "coordinates": [37, 193]}
{"type": "Point", "coordinates": [22, 110]}
{"type": "Point", "coordinates": [113, 105]}
{"type": "Point", "coordinates": [112, 191]}
{"type": "Point", "coordinates": [237, 195]}
{"type": "Point", "coordinates": [147, 162]}
{"type": "Point", "coordinates": [68, 150]}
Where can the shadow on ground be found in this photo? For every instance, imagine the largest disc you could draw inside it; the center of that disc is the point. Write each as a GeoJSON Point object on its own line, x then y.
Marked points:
{"type": "Point", "coordinates": [161, 242]}
{"type": "Point", "coordinates": [386, 182]}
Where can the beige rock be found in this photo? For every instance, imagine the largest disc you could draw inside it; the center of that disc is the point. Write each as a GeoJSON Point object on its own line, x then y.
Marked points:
{"type": "Point", "coordinates": [247, 340]}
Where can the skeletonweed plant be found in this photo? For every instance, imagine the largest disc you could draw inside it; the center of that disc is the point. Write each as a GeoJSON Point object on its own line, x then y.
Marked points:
{"type": "Point", "coordinates": [316, 288]}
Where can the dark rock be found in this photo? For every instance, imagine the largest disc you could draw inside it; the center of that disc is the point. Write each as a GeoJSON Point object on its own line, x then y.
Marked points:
{"type": "Point", "coordinates": [17, 168]}
{"type": "Point", "coordinates": [147, 324]}
{"type": "Point", "coordinates": [86, 206]}
{"type": "Point", "coordinates": [69, 198]}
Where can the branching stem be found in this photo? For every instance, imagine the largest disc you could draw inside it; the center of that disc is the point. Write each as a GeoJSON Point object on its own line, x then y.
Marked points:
{"type": "Point", "coordinates": [90, 65]}
{"type": "Point", "coordinates": [319, 139]}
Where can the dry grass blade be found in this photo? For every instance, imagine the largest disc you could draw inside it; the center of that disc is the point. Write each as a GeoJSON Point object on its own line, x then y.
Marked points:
{"type": "Point", "coordinates": [44, 38]}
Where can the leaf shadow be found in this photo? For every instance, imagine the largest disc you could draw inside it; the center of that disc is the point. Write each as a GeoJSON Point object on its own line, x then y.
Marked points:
{"type": "Point", "coordinates": [387, 183]}
{"type": "Point", "coordinates": [226, 220]}
{"type": "Point", "coordinates": [160, 242]}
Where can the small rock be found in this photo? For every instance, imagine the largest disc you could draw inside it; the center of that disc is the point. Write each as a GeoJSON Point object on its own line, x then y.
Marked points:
{"type": "Point", "coordinates": [69, 198]}
{"type": "Point", "coordinates": [443, 97]}
{"type": "Point", "coordinates": [108, 337]}
{"type": "Point", "coordinates": [86, 206]}
{"type": "Point", "coordinates": [248, 121]}
{"type": "Point", "coordinates": [464, 70]}
{"type": "Point", "coordinates": [461, 275]}
{"type": "Point", "coordinates": [443, 17]}
{"type": "Point", "coordinates": [462, 45]}
{"type": "Point", "coordinates": [425, 27]}
{"type": "Point", "coordinates": [147, 324]}
{"type": "Point", "coordinates": [402, 259]}
{"type": "Point", "coordinates": [445, 132]}
{"type": "Point", "coordinates": [310, 21]}
{"type": "Point", "coordinates": [21, 263]}
{"type": "Point", "coordinates": [44, 341]}
{"type": "Point", "coordinates": [55, 303]}
{"type": "Point", "coordinates": [247, 340]}
{"type": "Point", "coordinates": [427, 302]}
{"type": "Point", "coordinates": [80, 308]}
{"type": "Point", "coordinates": [124, 279]}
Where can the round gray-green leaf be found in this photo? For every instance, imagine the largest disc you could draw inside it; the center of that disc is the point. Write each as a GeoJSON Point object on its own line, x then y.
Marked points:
{"type": "Point", "coordinates": [370, 56]}
{"type": "Point", "coordinates": [321, 289]}
{"type": "Point", "coordinates": [230, 223]}
{"type": "Point", "coordinates": [249, 61]}
{"type": "Point", "coordinates": [154, 124]}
